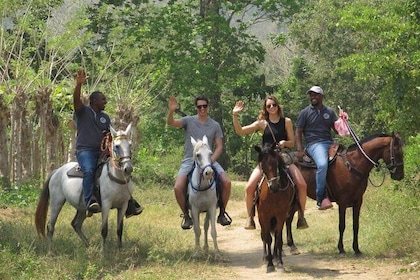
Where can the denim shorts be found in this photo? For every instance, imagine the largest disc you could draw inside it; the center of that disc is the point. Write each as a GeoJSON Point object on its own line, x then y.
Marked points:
{"type": "Point", "coordinates": [187, 166]}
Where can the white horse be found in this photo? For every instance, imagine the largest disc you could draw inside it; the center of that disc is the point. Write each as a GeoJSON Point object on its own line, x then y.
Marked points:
{"type": "Point", "coordinates": [115, 190]}
{"type": "Point", "coordinates": [202, 194]}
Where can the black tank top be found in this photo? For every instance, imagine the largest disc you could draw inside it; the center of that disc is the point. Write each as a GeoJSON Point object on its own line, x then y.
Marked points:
{"type": "Point", "coordinates": [279, 131]}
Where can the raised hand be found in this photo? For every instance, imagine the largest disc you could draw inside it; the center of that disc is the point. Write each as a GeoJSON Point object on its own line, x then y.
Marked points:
{"type": "Point", "coordinates": [239, 106]}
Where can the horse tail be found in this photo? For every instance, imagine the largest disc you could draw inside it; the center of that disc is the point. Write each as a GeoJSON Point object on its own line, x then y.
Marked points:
{"type": "Point", "coordinates": [42, 208]}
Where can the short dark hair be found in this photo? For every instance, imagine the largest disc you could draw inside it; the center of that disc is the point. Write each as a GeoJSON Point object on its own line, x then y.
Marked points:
{"type": "Point", "coordinates": [94, 95]}
{"type": "Point", "coordinates": [201, 97]}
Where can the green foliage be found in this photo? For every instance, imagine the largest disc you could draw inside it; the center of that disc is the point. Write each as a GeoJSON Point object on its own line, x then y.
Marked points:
{"type": "Point", "coordinates": [21, 196]}
{"type": "Point", "coordinates": [411, 167]}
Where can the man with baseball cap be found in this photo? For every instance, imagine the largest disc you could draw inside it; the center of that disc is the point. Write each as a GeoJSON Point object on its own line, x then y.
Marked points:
{"type": "Point", "coordinates": [315, 123]}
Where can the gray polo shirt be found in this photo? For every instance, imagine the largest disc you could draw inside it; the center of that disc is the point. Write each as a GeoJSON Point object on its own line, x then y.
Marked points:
{"type": "Point", "coordinates": [316, 124]}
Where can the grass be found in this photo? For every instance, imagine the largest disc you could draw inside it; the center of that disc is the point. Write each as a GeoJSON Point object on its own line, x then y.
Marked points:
{"type": "Point", "coordinates": [154, 246]}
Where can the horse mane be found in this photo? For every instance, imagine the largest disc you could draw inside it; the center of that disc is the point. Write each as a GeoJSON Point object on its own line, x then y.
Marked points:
{"type": "Point", "coordinates": [367, 139]}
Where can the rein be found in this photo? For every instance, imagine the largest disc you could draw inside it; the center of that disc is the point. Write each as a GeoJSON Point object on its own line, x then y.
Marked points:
{"type": "Point", "coordinates": [197, 188]}
{"type": "Point", "coordinates": [391, 166]}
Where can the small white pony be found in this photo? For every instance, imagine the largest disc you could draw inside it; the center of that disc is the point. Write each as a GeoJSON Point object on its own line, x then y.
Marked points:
{"type": "Point", "coordinates": [115, 190]}
{"type": "Point", "coordinates": [202, 194]}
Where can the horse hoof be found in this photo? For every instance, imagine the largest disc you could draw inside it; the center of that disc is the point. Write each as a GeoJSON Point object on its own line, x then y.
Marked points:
{"type": "Point", "coordinates": [294, 251]}
{"type": "Point", "coordinates": [270, 268]}
{"type": "Point", "coordinates": [196, 255]}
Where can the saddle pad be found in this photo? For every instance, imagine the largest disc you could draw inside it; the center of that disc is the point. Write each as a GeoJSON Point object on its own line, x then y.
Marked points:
{"type": "Point", "coordinates": [76, 171]}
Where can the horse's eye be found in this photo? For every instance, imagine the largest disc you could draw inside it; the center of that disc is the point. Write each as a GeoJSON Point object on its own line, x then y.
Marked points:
{"type": "Point", "coordinates": [198, 156]}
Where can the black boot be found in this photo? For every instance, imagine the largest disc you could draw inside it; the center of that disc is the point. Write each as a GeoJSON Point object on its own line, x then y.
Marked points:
{"type": "Point", "coordinates": [133, 208]}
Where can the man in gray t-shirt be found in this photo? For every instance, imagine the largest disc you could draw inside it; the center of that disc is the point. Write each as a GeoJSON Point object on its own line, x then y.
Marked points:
{"type": "Point", "coordinates": [197, 126]}
{"type": "Point", "coordinates": [315, 123]}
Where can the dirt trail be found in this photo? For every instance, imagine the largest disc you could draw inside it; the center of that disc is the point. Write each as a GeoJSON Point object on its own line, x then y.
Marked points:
{"type": "Point", "coordinates": [243, 251]}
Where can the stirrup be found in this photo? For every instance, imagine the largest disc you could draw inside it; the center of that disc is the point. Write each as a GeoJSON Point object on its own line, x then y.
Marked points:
{"type": "Point", "coordinates": [224, 219]}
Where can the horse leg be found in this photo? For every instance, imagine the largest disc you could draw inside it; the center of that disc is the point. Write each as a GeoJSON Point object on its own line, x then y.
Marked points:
{"type": "Point", "coordinates": [212, 214]}
{"type": "Point", "coordinates": [293, 249]}
{"type": "Point", "coordinates": [104, 228]}
{"type": "Point", "coordinates": [267, 240]}
{"type": "Point", "coordinates": [120, 226]}
{"type": "Point", "coordinates": [77, 223]}
{"type": "Point", "coordinates": [279, 246]}
{"type": "Point", "coordinates": [356, 215]}
{"type": "Point", "coordinates": [197, 231]}
{"type": "Point", "coordinates": [341, 226]}
{"type": "Point", "coordinates": [55, 210]}
{"type": "Point", "coordinates": [206, 231]}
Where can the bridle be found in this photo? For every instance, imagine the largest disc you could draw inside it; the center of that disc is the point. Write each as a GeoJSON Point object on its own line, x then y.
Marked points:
{"type": "Point", "coordinates": [201, 178]}
{"type": "Point", "coordinates": [277, 178]}
{"type": "Point", "coordinates": [116, 158]}
{"type": "Point", "coordinates": [392, 166]}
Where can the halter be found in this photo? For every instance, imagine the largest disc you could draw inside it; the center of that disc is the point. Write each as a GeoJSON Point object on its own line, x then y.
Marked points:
{"type": "Point", "coordinates": [277, 178]}
{"type": "Point", "coordinates": [211, 181]}
{"type": "Point", "coordinates": [202, 168]}
{"type": "Point", "coordinates": [116, 160]}
{"type": "Point", "coordinates": [392, 166]}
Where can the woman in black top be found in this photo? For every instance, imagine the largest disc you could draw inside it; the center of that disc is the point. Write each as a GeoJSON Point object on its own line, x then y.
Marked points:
{"type": "Point", "coordinates": [272, 124]}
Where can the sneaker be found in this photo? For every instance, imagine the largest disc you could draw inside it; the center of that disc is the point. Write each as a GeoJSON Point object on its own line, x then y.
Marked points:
{"type": "Point", "coordinates": [301, 223]}
{"type": "Point", "coordinates": [187, 222]}
{"type": "Point", "coordinates": [250, 224]}
{"type": "Point", "coordinates": [94, 206]}
{"type": "Point", "coordinates": [224, 219]}
{"type": "Point", "coordinates": [325, 204]}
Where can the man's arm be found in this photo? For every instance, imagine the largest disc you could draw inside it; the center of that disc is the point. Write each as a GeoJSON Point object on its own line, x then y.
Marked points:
{"type": "Point", "coordinates": [80, 80]}
{"type": "Point", "coordinates": [173, 105]}
{"type": "Point", "coordinates": [218, 142]}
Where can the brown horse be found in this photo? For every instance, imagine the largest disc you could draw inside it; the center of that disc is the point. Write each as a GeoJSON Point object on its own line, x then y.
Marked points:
{"type": "Point", "coordinates": [348, 175]}
{"type": "Point", "coordinates": [276, 194]}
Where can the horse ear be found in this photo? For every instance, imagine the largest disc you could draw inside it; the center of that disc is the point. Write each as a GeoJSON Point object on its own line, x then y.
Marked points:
{"type": "Point", "coordinates": [193, 142]}
{"type": "Point", "coordinates": [113, 132]}
{"type": "Point", "coordinates": [205, 140]}
{"type": "Point", "coordinates": [128, 129]}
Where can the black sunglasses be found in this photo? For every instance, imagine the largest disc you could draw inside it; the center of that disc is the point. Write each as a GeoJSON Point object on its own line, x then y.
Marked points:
{"type": "Point", "coordinates": [271, 105]}
{"type": "Point", "coordinates": [202, 106]}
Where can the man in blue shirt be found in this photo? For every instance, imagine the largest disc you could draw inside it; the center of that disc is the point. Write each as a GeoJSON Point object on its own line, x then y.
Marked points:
{"type": "Point", "coordinates": [315, 123]}
{"type": "Point", "coordinates": [92, 125]}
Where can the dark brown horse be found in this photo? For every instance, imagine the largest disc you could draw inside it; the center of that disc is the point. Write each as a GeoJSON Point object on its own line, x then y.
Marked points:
{"type": "Point", "coordinates": [348, 175]}
{"type": "Point", "coordinates": [276, 194]}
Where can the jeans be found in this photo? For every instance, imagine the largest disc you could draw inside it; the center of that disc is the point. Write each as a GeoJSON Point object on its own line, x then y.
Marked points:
{"type": "Point", "coordinates": [319, 153]}
{"type": "Point", "coordinates": [88, 161]}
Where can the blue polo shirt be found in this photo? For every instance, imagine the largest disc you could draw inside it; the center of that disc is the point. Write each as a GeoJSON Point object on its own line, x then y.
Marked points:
{"type": "Point", "coordinates": [91, 128]}
{"type": "Point", "coordinates": [316, 124]}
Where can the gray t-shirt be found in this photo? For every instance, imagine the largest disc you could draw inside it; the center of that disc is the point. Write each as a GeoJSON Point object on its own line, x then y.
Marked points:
{"type": "Point", "coordinates": [316, 124]}
{"type": "Point", "coordinates": [193, 127]}
{"type": "Point", "coordinates": [91, 128]}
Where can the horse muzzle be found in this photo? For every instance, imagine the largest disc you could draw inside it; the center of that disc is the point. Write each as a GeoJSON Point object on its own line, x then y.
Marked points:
{"type": "Point", "coordinates": [127, 166]}
{"type": "Point", "coordinates": [208, 173]}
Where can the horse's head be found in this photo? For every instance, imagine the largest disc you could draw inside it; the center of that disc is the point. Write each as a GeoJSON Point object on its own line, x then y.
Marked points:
{"type": "Point", "coordinates": [272, 166]}
{"type": "Point", "coordinates": [202, 157]}
{"type": "Point", "coordinates": [394, 158]}
{"type": "Point", "coordinates": [121, 149]}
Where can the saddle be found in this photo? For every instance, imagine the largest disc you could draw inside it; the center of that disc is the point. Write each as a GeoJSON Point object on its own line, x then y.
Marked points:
{"type": "Point", "coordinates": [76, 171]}
{"type": "Point", "coordinates": [309, 162]}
